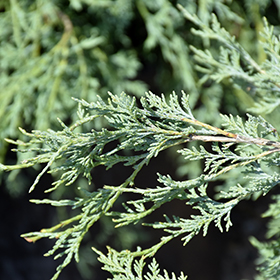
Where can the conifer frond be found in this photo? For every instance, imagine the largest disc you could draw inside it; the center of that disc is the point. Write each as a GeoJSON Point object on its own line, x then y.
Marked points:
{"type": "Point", "coordinates": [234, 63]}
{"type": "Point", "coordinates": [70, 233]}
{"type": "Point", "coordinates": [137, 133]}
{"type": "Point", "coordinates": [241, 151]}
{"type": "Point", "coordinates": [123, 266]}
{"type": "Point", "coordinates": [269, 259]}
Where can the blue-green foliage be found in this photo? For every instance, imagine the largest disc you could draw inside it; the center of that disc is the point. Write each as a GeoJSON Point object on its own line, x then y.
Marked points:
{"type": "Point", "coordinates": [58, 58]}
{"type": "Point", "coordinates": [155, 126]}
{"type": "Point", "coordinates": [122, 265]}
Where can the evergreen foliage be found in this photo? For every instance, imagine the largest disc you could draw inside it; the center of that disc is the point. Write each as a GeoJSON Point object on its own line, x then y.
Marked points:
{"type": "Point", "coordinates": [131, 129]}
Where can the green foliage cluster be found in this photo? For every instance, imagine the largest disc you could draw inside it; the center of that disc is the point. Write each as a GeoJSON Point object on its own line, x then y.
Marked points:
{"type": "Point", "coordinates": [129, 268]}
{"type": "Point", "coordinates": [73, 59]}
{"type": "Point", "coordinates": [50, 53]}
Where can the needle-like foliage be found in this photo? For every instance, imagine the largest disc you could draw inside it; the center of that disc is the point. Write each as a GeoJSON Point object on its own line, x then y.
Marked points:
{"type": "Point", "coordinates": [122, 265]}
{"type": "Point", "coordinates": [137, 134]}
{"type": "Point", "coordinates": [233, 62]}
{"type": "Point", "coordinates": [135, 131]}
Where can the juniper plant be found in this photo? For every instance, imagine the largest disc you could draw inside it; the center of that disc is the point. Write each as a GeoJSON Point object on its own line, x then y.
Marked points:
{"type": "Point", "coordinates": [137, 132]}
{"type": "Point", "coordinates": [140, 133]}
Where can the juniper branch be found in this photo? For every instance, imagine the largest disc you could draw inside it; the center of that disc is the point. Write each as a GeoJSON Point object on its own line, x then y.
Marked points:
{"type": "Point", "coordinates": [234, 63]}
{"type": "Point", "coordinates": [139, 133]}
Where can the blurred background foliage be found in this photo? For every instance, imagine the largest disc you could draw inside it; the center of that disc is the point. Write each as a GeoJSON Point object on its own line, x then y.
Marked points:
{"type": "Point", "coordinates": [53, 50]}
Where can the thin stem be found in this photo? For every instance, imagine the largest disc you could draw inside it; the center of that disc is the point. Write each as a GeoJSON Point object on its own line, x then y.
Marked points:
{"type": "Point", "coordinates": [151, 251]}
{"type": "Point", "coordinates": [237, 139]}
{"type": "Point", "coordinates": [210, 127]}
